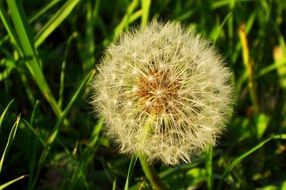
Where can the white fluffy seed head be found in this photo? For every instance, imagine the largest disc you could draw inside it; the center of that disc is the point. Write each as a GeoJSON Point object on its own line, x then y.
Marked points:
{"type": "Point", "coordinates": [167, 78]}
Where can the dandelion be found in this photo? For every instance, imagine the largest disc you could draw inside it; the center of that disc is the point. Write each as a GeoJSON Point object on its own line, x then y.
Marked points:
{"type": "Point", "coordinates": [164, 92]}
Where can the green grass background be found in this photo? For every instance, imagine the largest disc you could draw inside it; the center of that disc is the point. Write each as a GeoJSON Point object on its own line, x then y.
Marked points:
{"type": "Point", "coordinates": [49, 136]}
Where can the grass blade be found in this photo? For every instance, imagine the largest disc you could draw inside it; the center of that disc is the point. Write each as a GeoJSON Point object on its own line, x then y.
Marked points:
{"type": "Point", "coordinates": [55, 131]}
{"type": "Point", "coordinates": [130, 171]}
{"type": "Point", "coordinates": [220, 28]}
{"type": "Point", "coordinates": [43, 10]}
{"type": "Point", "coordinates": [114, 185]}
{"type": "Point", "coordinates": [11, 182]}
{"type": "Point", "coordinates": [240, 158]}
{"type": "Point", "coordinates": [55, 21]}
{"type": "Point", "coordinates": [125, 21]}
{"type": "Point", "coordinates": [95, 133]}
{"type": "Point", "coordinates": [9, 142]}
{"type": "Point", "coordinates": [145, 14]}
{"type": "Point", "coordinates": [274, 66]}
{"type": "Point", "coordinates": [279, 54]}
{"type": "Point", "coordinates": [37, 15]}
{"type": "Point", "coordinates": [62, 76]}
{"type": "Point", "coordinates": [90, 20]}
{"type": "Point", "coordinates": [8, 27]}
{"type": "Point", "coordinates": [35, 133]}
{"type": "Point", "coordinates": [249, 67]}
{"type": "Point", "coordinates": [29, 51]}
{"type": "Point", "coordinates": [4, 113]}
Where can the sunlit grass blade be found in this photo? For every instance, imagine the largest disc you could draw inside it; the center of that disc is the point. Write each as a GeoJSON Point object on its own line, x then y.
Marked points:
{"type": "Point", "coordinates": [125, 21]}
{"type": "Point", "coordinates": [145, 11]}
{"type": "Point", "coordinates": [37, 15]}
{"type": "Point", "coordinates": [3, 186]}
{"type": "Point", "coordinates": [274, 66]}
{"type": "Point", "coordinates": [9, 65]}
{"type": "Point", "coordinates": [43, 10]}
{"type": "Point", "coordinates": [279, 55]}
{"type": "Point", "coordinates": [219, 28]}
{"type": "Point", "coordinates": [262, 122]}
{"type": "Point", "coordinates": [29, 51]}
{"type": "Point", "coordinates": [4, 113]}
{"type": "Point", "coordinates": [135, 16]}
{"type": "Point", "coordinates": [114, 185]}
{"type": "Point", "coordinates": [55, 21]}
{"type": "Point", "coordinates": [219, 4]}
{"type": "Point", "coordinates": [240, 158]}
{"type": "Point", "coordinates": [130, 171]}
{"type": "Point", "coordinates": [9, 142]}
{"type": "Point", "coordinates": [248, 27]}
{"type": "Point", "coordinates": [249, 66]}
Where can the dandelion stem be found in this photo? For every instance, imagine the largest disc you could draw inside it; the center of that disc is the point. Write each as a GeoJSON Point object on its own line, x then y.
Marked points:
{"type": "Point", "coordinates": [209, 157]}
{"type": "Point", "coordinates": [148, 169]}
{"type": "Point", "coordinates": [151, 174]}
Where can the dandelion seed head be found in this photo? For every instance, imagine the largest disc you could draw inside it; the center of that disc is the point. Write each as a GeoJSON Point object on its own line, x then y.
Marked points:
{"type": "Point", "coordinates": [172, 80]}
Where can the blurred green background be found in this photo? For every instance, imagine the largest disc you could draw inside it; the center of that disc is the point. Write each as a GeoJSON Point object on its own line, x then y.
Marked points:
{"type": "Point", "coordinates": [49, 135]}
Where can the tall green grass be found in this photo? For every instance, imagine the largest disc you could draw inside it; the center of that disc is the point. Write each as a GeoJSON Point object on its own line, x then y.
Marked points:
{"type": "Point", "coordinates": [48, 52]}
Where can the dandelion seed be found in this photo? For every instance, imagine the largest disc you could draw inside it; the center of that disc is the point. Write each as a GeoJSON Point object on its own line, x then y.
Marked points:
{"type": "Point", "coordinates": [114, 101]}
{"type": "Point", "coordinates": [173, 97]}
{"type": "Point", "coordinates": [134, 89]}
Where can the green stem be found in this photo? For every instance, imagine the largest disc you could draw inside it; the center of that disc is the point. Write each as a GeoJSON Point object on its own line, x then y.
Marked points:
{"type": "Point", "coordinates": [149, 171]}
{"type": "Point", "coordinates": [209, 157]}
{"type": "Point", "coordinates": [151, 174]}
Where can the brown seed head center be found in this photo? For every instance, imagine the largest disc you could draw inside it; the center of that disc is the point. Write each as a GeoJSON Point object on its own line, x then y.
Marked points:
{"type": "Point", "coordinates": [157, 91]}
